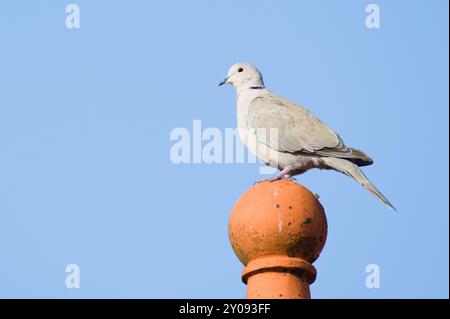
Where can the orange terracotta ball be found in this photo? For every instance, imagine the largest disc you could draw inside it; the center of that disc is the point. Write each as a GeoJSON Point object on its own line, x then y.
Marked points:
{"type": "Point", "coordinates": [277, 218]}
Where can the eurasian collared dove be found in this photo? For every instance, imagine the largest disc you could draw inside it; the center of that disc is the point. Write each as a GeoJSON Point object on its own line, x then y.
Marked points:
{"type": "Point", "coordinates": [287, 136]}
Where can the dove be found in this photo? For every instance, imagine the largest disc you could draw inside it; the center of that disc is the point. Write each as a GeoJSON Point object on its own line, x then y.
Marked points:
{"type": "Point", "coordinates": [288, 136]}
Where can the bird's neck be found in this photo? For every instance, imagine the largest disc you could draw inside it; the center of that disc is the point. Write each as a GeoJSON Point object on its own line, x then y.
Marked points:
{"type": "Point", "coordinates": [244, 96]}
{"type": "Point", "coordinates": [253, 84]}
{"type": "Point", "coordinates": [249, 87]}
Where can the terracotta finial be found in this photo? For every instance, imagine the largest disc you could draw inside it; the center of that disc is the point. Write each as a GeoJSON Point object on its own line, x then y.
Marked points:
{"type": "Point", "coordinates": [277, 230]}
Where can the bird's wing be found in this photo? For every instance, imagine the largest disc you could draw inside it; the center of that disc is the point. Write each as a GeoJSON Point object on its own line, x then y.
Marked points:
{"type": "Point", "coordinates": [297, 129]}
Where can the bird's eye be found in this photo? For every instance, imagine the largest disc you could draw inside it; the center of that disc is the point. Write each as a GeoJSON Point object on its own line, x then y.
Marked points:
{"type": "Point", "coordinates": [240, 70]}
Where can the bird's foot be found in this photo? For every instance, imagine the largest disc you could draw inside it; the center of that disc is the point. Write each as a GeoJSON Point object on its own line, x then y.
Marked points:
{"type": "Point", "coordinates": [276, 178]}
{"type": "Point", "coordinates": [284, 177]}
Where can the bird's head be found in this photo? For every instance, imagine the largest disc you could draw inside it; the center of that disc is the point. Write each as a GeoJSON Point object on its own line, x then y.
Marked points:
{"type": "Point", "coordinates": [244, 75]}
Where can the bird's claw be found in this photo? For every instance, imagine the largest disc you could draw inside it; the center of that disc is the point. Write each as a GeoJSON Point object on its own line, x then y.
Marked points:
{"type": "Point", "coordinates": [274, 179]}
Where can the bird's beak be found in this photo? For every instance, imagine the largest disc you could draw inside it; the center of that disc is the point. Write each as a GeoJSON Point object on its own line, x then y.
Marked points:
{"type": "Point", "coordinates": [224, 81]}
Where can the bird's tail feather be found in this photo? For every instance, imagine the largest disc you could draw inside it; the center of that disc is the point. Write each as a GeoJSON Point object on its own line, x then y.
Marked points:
{"type": "Point", "coordinates": [353, 170]}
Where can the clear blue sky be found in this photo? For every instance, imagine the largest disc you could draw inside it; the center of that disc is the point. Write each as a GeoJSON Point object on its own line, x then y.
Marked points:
{"type": "Point", "coordinates": [85, 118]}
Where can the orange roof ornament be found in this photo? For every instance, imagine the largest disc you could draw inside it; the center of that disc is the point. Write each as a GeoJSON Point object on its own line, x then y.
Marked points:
{"type": "Point", "coordinates": [277, 230]}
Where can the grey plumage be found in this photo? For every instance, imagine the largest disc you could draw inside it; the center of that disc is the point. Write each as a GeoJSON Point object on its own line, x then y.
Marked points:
{"type": "Point", "coordinates": [299, 131]}
{"type": "Point", "coordinates": [301, 141]}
